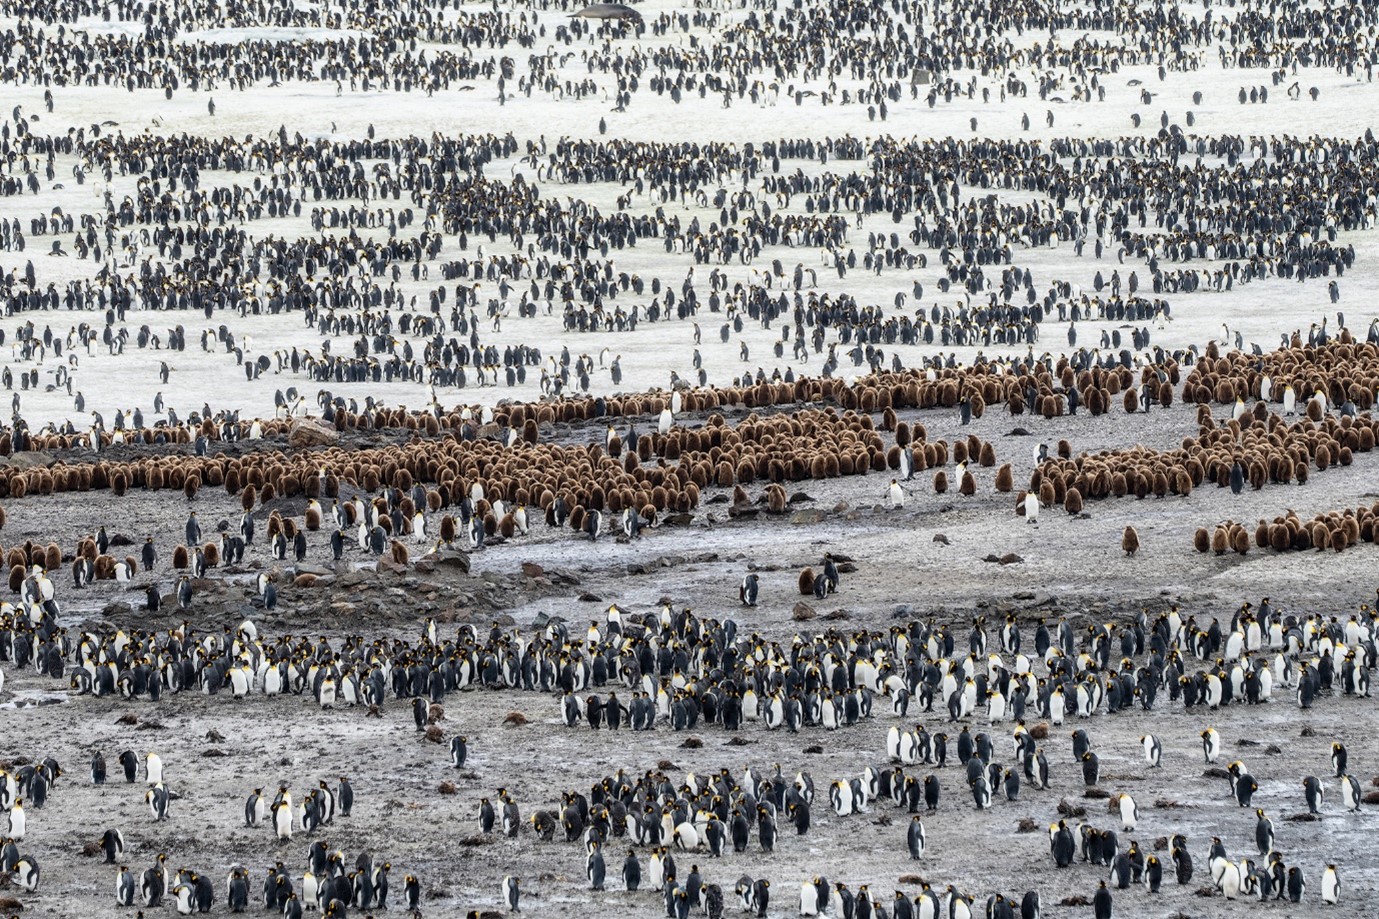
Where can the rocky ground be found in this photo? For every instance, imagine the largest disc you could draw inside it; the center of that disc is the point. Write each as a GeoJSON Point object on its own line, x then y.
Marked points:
{"type": "Point", "coordinates": [931, 558]}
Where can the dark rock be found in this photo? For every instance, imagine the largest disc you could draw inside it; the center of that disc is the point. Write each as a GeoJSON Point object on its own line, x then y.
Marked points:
{"type": "Point", "coordinates": [941, 539]}
{"type": "Point", "coordinates": [447, 557]}
{"type": "Point", "coordinates": [28, 459]}
{"type": "Point", "coordinates": [309, 432]}
{"type": "Point", "coordinates": [803, 612]}
{"type": "Point", "coordinates": [386, 563]}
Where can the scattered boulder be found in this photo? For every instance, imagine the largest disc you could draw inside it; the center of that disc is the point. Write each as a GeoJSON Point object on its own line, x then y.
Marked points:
{"type": "Point", "coordinates": [309, 432]}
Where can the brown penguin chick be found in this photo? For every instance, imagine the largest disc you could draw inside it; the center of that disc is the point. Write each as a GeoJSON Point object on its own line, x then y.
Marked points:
{"type": "Point", "coordinates": [1201, 540]}
{"type": "Point", "coordinates": [807, 582]}
{"type": "Point", "coordinates": [52, 557]}
{"type": "Point", "coordinates": [1005, 478]}
{"type": "Point", "coordinates": [1072, 501]}
{"type": "Point", "coordinates": [1130, 541]}
{"type": "Point", "coordinates": [399, 553]}
{"type": "Point", "coordinates": [180, 558]}
{"type": "Point", "coordinates": [940, 482]}
{"type": "Point", "coordinates": [1240, 539]}
{"type": "Point", "coordinates": [967, 487]}
{"type": "Point", "coordinates": [776, 500]}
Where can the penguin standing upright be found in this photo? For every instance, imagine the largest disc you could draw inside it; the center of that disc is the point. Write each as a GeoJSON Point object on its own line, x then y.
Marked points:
{"type": "Point", "coordinates": [747, 592]}
{"type": "Point", "coordinates": [124, 887]}
{"type": "Point", "coordinates": [1351, 796]}
{"type": "Point", "coordinates": [1153, 750]}
{"type": "Point", "coordinates": [282, 818]}
{"type": "Point", "coordinates": [1312, 790]}
{"type": "Point", "coordinates": [1211, 745]}
{"type": "Point", "coordinates": [1297, 884]}
{"type": "Point", "coordinates": [157, 800]}
{"type": "Point", "coordinates": [1101, 903]}
{"type": "Point", "coordinates": [344, 797]}
{"type": "Point", "coordinates": [1331, 886]}
{"type": "Point", "coordinates": [512, 892]}
{"type": "Point", "coordinates": [18, 820]}
{"type": "Point", "coordinates": [254, 808]}
{"type": "Point", "coordinates": [112, 843]}
{"type": "Point", "coordinates": [1264, 833]}
{"type": "Point", "coordinates": [1338, 759]}
{"type": "Point", "coordinates": [129, 762]}
{"type": "Point", "coordinates": [594, 868]}
{"type": "Point", "coordinates": [914, 837]}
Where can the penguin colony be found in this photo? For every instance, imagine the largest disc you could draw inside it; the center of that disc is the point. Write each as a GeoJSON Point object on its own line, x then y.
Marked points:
{"type": "Point", "coordinates": [682, 672]}
{"type": "Point", "coordinates": [467, 375]}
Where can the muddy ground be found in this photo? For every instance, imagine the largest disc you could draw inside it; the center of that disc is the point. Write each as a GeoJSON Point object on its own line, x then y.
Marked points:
{"type": "Point", "coordinates": [1068, 566]}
